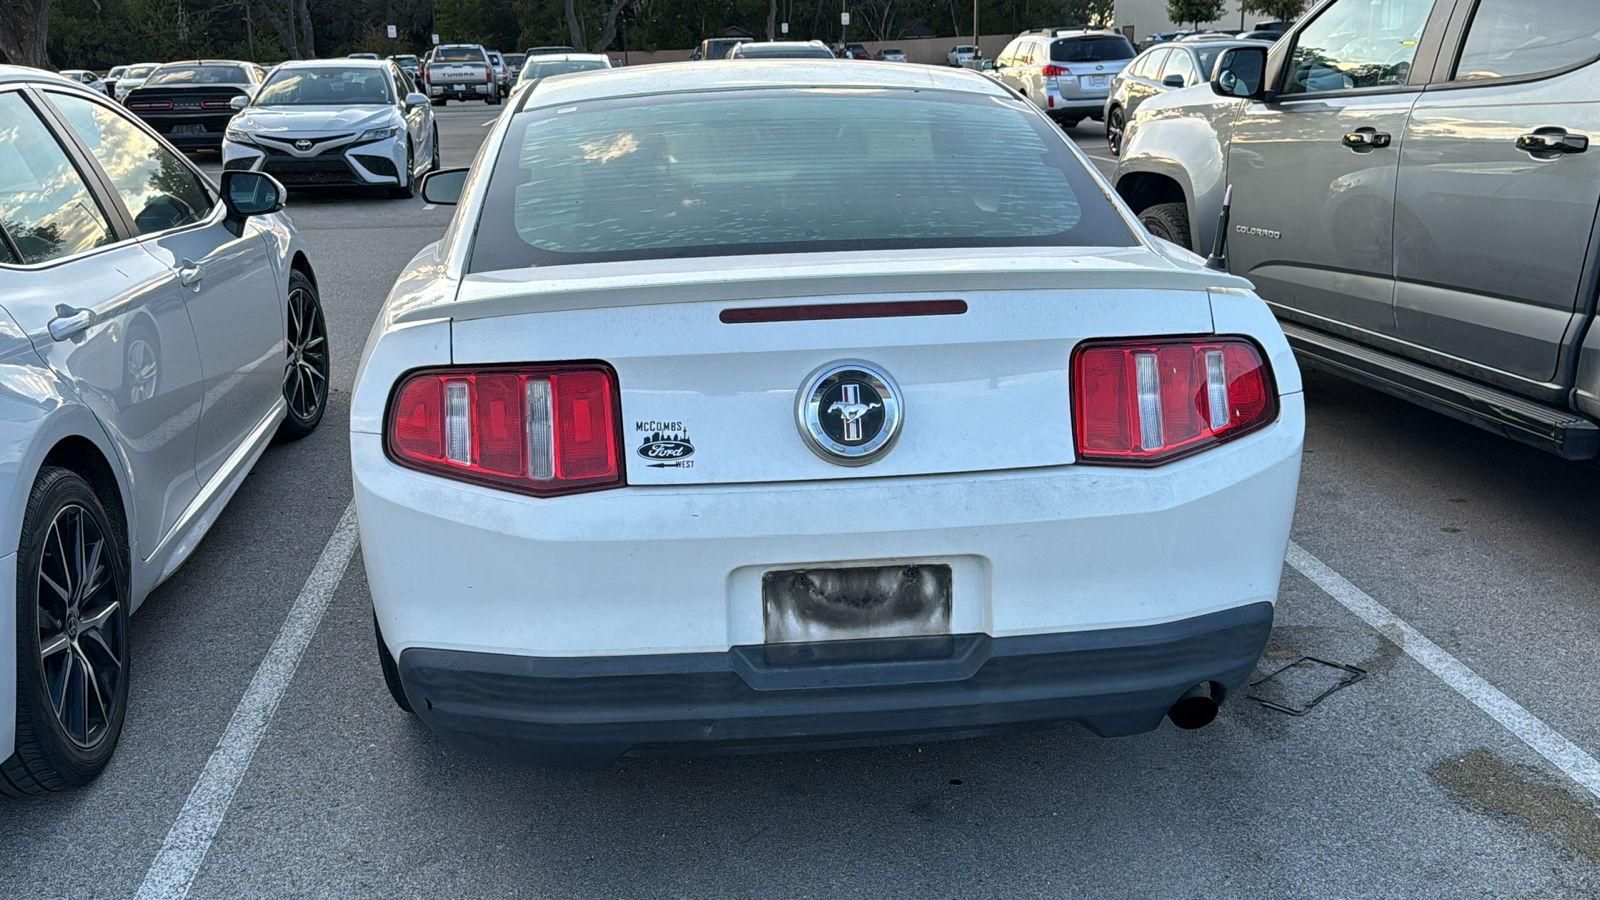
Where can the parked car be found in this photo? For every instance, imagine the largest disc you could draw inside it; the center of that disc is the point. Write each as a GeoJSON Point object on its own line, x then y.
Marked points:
{"type": "Point", "coordinates": [1067, 74]}
{"type": "Point", "coordinates": [717, 48]}
{"type": "Point", "coordinates": [133, 76]}
{"type": "Point", "coordinates": [962, 54]}
{"type": "Point", "coordinates": [1161, 37]}
{"type": "Point", "coordinates": [462, 72]}
{"type": "Point", "coordinates": [157, 333]}
{"type": "Point", "coordinates": [538, 68]}
{"type": "Point", "coordinates": [1416, 202]}
{"type": "Point", "coordinates": [363, 56]}
{"type": "Point", "coordinates": [87, 79]}
{"type": "Point", "coordinates": [110, 80]}
{"type": "Point", "coordinates": [514, 63]}
{"type": "Point", "coordinates": [621, 489]}
{"type": "Point", "coordinates": [542, 51]}
{"type": "Point", "coordinates": [780, 50]}
{"type": "Point", "coordinates": [348, 122]}
{"type": "Point", "coordinates": [502, 77]}
{"type": "Point", "coordinates": [1268, 36]}
{"type": "Point", "coordinates": [190, 103]}
{"type": "Point", "coordinates": [891, 54]}
{"type": "Point", "coordinates": [853, 51]}
{"type": "Point", "coordinates": [410, 65]}
{"type": "Point", "coordinates": [1166, 67]}
{"type": "Point", "coordinates": [1206, 37]}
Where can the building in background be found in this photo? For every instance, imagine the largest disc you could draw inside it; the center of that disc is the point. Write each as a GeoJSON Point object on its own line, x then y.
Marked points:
{"type": "Point", "coordinates": [1150, 17]}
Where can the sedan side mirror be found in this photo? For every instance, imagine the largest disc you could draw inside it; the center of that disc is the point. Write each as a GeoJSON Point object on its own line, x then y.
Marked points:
{"type": "Point", "coordinates": [1241, 72]}
{"type": "Point", "coordinates": [1173, 81]}
{"type": "Point", "coordinates": [239, 102]}
{"type": "Point", "coordinates": [443, 186]}
{"type": "Point", "coordinates": [415, 100]}
{"type": "Point", "coordinates": [249, 194]}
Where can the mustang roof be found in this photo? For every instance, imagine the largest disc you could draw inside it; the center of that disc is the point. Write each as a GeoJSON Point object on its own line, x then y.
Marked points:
{"type": "Point", "coordinates": [754, 74]}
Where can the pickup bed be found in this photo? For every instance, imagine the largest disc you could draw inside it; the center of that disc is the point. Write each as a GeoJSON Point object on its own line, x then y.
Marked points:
{"type": "Point", "coordinates": [1418, 205]}
{"type": "Point", "coordinates": [460, 72]}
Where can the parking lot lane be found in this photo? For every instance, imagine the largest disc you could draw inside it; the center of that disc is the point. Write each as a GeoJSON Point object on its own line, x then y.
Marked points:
{"type": "Point", "coordinates": [349, 797]}
{"type": "Point", "coordinates": [197, 641]}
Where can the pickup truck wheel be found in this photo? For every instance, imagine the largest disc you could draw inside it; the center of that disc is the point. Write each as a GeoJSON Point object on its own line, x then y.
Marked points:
{"type": "Point", "coordinates": [1169, 221]}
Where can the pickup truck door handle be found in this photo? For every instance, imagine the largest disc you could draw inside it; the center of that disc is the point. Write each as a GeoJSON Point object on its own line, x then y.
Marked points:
{"type": "Point", "coordinates": [1548, 143]}
{"type": "Point", "coordinates": [1364, 139]}
{"type": "Point", "coordinates": [70, 321]}
{"type": "Point", "coordinates": [190, 273]}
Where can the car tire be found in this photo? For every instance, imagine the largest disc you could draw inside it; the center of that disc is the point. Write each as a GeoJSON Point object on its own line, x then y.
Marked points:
{"type": "Point", "coordinates": [407, 190]}
{"type": "Point", "coordinates": [433, 164]}
{"type": "Point", "coordinates": [67, 636]}
{"type": "Point", "coordinates": [305, 372]}
{"type": "Point", "coordinates": [391, 672]}
{"type": "Point", "coordinates": [439, 101]}
{"type": "Point", "coordinates": [1068, 123]}
{"type": "Point", "coordinates": [1115, 123]}
{"type": "Point", "coordinates": [492, 100]}
{"type": "Point", "coordinates": [1169, 221]}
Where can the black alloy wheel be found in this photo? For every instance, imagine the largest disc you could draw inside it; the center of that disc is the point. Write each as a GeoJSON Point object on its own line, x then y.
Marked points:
{"type": "Point", "coordinates": [305, 373]}
{"type": "Point", "coordinates": [72, 638]}
{"type": "Point", "coordinates": [434, 165]}
{"type": "Point", "coordinates": [1114, 128]}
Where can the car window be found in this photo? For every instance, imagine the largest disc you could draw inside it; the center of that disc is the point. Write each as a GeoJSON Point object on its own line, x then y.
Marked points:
{"type": "Point", "coordinates": [158, 189]}
{"type": "Point", "coordinates": [1521, 37]}
{"type": "Point", "coordinates": [1179, 63]}
{"type": "Point", "coordinates": [46, 208]}
{"type": "Point", "coordinates": [784, 171]}
{"type": "Point", "coordinates": [1357, 44]}
{"type": "Point", "coordinates": [1151, 67]}
{"type": "Point", "coordinates": [1208, 61]}
{"type": "Point", "coordinates": [459, 55]}
{"type": "Point", "coordinates": [1100, 48]}
{"type": "Point", "coordinates": [198, 74]}
{"type": "Point", "coordinates": [325, 86]}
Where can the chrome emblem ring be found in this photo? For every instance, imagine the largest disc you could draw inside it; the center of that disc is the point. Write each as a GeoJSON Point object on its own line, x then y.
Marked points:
{"type": "Point", "coordinates": [849, 412]}
{"type": "Point", "coordinates": [302, 144]}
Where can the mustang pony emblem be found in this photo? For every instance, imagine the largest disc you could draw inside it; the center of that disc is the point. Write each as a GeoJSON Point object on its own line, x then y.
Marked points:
{"type": "Point", "coordinates": [851, 409]}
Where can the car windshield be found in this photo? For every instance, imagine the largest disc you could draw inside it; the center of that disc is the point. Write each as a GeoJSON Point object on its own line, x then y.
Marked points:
{"type": "Point", "coordinates": [753, 51]}
{"type": "Point", "coordinates": [325, 86]}
{"type": "Point", "coordinates": [1101, 48]}
{"type": "Point", "coordinates": [537, 69]}
{"type": "Point", "coordinates": [458, 54]}
{"type": "Point", "coordinates": [784, 171]}
{"type": "Point", "coordinates": [198, 74]}
{"type": "Point", "coordinates": [138, 71]}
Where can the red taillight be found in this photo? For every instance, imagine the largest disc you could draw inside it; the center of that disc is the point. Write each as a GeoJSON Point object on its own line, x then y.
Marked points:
{"type": "Point", "coordinates": [538, 430]}
{"type": "Point", "coordinates": [1147, 402]}
{"type": "Point", "coordinates": [149, 104]}
{"type": "Point", "coordinates": [1055, 71]}
{"type": "Point", "coordinates": [214, 103]}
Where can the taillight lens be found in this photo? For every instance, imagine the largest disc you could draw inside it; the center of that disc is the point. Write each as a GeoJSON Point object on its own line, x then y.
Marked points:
{"type": "Point", "coordinates": [1141, 403]}
{"type": "Point", "coordinates": [1055, 71]}
{"type": "Point", "coordinates": [538, 430]}
{"type": "Point", "coordinates": [149, 104]}
{"type": "Point", "coordinates": [214, 103]}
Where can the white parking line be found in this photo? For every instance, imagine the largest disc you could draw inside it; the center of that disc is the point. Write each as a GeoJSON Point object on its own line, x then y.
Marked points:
{"type": "Point", "coordinates": [184, 849]}
{"type": "Point", "coordinates": [1546, 741]}
{"type": "Point", "coordinates": [429, 206]}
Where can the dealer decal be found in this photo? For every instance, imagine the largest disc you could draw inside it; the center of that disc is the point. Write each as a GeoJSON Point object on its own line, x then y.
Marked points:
{"type": "Point", "coordinates": [665, 444]}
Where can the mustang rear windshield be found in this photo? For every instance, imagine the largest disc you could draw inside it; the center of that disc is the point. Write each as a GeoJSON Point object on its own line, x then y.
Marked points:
{"type": "Point", "coordinates": [784, 171]}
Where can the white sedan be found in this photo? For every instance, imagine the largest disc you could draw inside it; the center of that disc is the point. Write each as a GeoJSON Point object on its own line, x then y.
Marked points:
{"type": "Point", "coordinates": [665, 450]}
{"type": "Point", "coordinates": [340, 122]}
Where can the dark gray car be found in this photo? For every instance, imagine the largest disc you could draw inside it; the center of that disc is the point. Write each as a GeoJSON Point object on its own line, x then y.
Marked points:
{"type": "Point", "coordinates": [1414, 193]}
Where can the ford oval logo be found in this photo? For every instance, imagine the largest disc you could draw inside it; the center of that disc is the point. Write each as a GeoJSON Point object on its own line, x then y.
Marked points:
{"type": "Point", "coordinates": [666, 449]}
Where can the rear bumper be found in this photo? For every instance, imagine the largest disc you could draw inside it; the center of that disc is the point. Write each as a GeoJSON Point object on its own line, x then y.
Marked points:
{"type": "Point", "coordinates": [586, 712]}
{"type": "Point", "coordinates": [467, 90]}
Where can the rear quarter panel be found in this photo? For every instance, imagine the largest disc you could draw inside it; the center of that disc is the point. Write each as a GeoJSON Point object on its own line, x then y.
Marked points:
{"type": "Point", "coordinates": [1183, 135]}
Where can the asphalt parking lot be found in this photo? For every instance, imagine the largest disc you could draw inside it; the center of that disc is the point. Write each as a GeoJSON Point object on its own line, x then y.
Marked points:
{"type": "Point", "coordinates": [1456, 570]}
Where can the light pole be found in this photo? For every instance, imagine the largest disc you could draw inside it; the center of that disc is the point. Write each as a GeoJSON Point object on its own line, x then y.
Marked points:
{"type": "Point", "coordinates": [977, 51]}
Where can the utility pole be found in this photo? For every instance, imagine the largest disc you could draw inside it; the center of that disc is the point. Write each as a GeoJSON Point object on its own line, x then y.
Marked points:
{"type": "Point", "coordinates": [977, 51]}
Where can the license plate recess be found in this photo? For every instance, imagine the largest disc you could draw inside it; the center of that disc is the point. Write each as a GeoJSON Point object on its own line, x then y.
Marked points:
{"type": "Point", "coordinates": [855, 602]}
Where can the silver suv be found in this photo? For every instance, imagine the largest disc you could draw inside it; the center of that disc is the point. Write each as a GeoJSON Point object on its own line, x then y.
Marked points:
{"type": "Point", "coordinates": [1415, 195]}
{"type": "Point", "coordinates": [1066, 73]}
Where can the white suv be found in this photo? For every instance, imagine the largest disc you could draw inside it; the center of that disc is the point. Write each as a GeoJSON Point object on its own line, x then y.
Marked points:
{"type": "Point", "coordinates": [1067, 74]}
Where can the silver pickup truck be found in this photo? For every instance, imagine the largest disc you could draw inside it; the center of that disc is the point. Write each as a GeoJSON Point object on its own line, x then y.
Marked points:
{"type": "Point", "coordinates": [460, 72]}
{"type": "Point", "coordinates": [1414, 194]}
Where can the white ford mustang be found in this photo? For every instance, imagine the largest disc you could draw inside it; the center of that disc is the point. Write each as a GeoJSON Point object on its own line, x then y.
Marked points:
{"type": "Point", "coordinates": [779, 404]}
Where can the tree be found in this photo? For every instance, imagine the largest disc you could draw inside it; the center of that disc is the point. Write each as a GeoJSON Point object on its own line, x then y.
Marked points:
{"type": "Point", "coordinates": [1278, 10]}
{"type": "Point", "coordinates": [24, 25]}
{"type": "Point", "coordinates": [1195, 11]}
